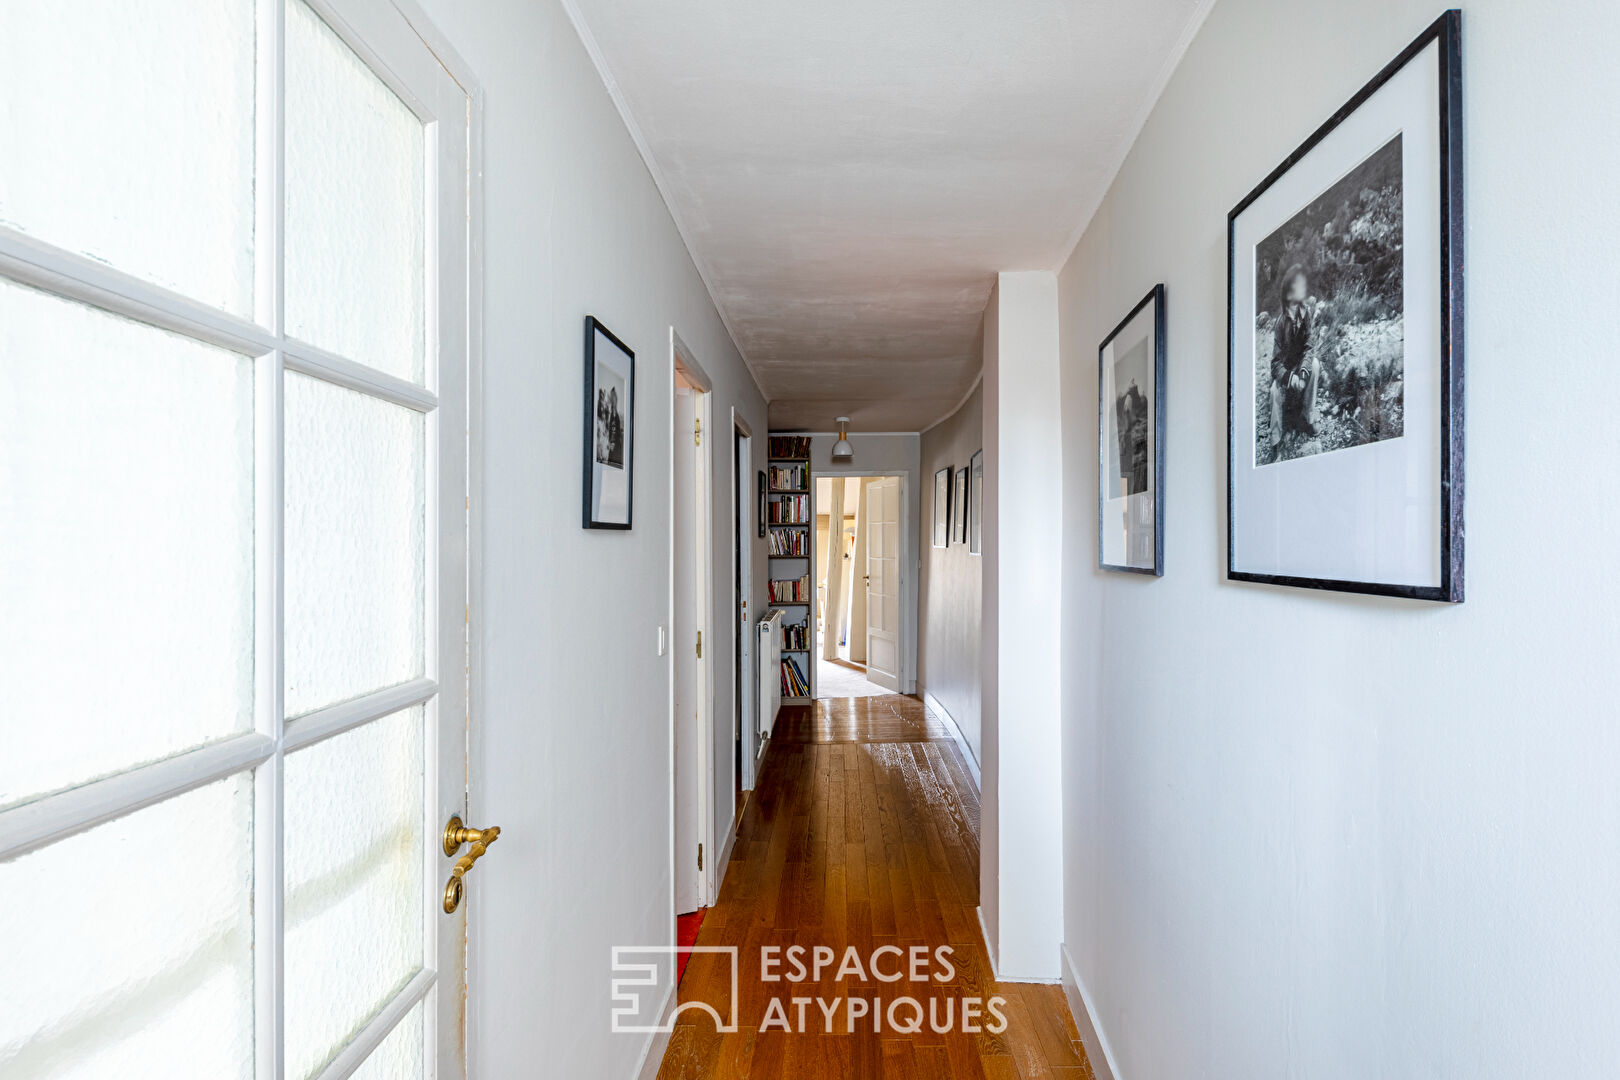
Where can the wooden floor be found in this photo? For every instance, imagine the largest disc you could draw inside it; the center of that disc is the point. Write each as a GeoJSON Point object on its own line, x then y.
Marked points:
{"type": "Point", "coordinates": [863, 831]}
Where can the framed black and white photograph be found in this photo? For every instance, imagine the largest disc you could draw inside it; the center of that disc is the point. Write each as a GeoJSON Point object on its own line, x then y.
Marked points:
{"type": "Point", "coordinates": [1345, 367]}
{"type": "Point", "coordinates": [942, 507]}
{"type": "Point", "coordinates": [610, 393]}
{"type": "Point", "coordinates": [759, 520]}
{"type": "Point", "coordinates": [959, 507]}
{"type": "Point", "coordinates": [1130, 453]}
{"type": "Point", "coordinates": [976, 504]}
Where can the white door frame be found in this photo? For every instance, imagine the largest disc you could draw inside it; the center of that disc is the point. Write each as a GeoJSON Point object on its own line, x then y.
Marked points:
{"type": "Point", "coordinates": [908, 555]}
{"type": "Point", "coordinates": [744, 495]}
{"type": "Point", "coordinates": [680, 356]}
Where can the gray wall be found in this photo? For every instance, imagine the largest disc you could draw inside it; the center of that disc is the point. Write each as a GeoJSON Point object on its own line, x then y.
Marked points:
{"type": "Point", "coordinates": [1395, 854]}
{"type": "Point", "coordinates": [949, 587]}
{"type": "Point", "coordinates": [570, 742]}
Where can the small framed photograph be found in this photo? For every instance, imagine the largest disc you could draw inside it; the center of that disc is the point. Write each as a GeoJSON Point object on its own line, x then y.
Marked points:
{"type": "Point", "coordinates": [759, 520]}
{"type": "Point", "coordinates": [942, 507]}
{"type": "Point", "coordinates": [610, 398]}
{"type": "Point", "coordinates": [976, 504]}
{"type": "Point", "coordinates": [1130, 455]}
{"type": "Point", "coordinates": [959, 507]}
{"type": "Point", "coordinates": [1345, 366]}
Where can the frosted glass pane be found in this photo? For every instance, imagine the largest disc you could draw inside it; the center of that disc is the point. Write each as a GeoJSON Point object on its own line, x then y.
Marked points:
{"type": "Point", "coordinates": [354, 217]}
{"type": "Point", "coordinates": [128, 136]}
{"type": "Point", "coordinates": [126, 543]}
{"type": "Point", "coordinates": [353, 880]}
{"type": "Point", "coordinates": [129, 948]}
{"type": "Point", "coordinates": [354, 485]}
{"type": "Point", "coordinates": [400, 1055]}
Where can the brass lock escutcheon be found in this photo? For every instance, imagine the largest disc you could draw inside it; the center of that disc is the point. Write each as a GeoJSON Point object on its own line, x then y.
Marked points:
{"type": "Point", "coordinates": [455, 835]}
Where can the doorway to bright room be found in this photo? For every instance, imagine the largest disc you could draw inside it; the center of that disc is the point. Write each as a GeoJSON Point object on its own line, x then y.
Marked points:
{"type": "Point", "coordinates": [857, 594]}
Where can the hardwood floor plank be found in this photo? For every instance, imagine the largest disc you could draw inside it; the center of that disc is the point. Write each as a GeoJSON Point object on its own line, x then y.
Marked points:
{"type": "Point", "coordinates": [863, 832]}
{"type": "Point", "coordinates": [1050, 1021]}
{"type": "Point", "coordinates": [899, 1060]}
{"type": "Point", "coordinates": [933, 1063]}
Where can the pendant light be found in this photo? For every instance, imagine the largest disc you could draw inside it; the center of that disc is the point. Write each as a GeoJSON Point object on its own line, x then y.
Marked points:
{"type": "Point", "coordinates": [842, 451]}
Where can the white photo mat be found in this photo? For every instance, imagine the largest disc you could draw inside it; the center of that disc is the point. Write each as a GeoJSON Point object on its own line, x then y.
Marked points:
{"type": "Point", "coordinates": [1127, 517]}
{"type": "Point", "coordinates": [1371, 513]}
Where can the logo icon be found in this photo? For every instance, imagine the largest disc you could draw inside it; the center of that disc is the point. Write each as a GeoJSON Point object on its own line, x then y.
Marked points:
{"type": "Point", "coordinates": [641, 966]}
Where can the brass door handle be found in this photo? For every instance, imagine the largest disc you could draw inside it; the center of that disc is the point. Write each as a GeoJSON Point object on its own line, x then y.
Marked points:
{"type": "Point", "coordinates": [455, 835]}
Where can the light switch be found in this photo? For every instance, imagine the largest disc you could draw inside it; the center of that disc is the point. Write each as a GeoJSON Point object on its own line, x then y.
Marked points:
{"type": "Point", "coordinates": [663, 640]}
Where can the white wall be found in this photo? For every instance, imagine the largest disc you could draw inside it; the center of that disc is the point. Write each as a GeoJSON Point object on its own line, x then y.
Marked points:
{"type": "Point", "coordinates": [1315, 835]}
{"type": "Point", "coordinates": [893, 454]}
{"type": "Point", "coordinates": [951, 583]}
{"type": "Point", "coordinates": [1021, 873]}
{"type": "Point", "coordinates": [571, 742]}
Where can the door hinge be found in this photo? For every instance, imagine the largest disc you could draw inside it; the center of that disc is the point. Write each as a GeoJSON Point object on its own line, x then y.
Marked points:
{"type": "Point", "coordinates": [700, 644]}
{"type": "Point", "coordinates": [700, 856]}
{"type": "Point", "coordinates": [697, 432]}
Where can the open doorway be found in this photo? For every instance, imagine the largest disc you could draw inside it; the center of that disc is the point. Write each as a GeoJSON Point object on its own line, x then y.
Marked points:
{"type": "Point", "coordinates": [857, 594]}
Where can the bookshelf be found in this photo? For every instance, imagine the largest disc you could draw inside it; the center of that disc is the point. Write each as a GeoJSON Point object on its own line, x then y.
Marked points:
{"type": "Point", "coordinates": [789, 527]}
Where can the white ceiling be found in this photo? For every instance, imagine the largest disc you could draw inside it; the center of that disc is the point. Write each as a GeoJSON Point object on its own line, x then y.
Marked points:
{"type": "Point", "coordinates": [850, 174]}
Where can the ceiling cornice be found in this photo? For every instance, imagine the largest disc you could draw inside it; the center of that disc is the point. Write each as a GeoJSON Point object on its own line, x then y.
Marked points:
{"type": "Point", "coordinates": [1166, 73]}
{"type": "Point", "coordinates": [605, 72]}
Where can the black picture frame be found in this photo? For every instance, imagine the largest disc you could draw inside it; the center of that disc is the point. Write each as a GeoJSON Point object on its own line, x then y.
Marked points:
{"type": "Point", "coordinates": [600, 468]}
{"type": "Point", "coordinates": [1446, 31]}
{"type": "Point", "coordinates": [942, 507]}
{"type": "Point", "coordinates": [1154, 300]}
{"type": "Point", "coordinates": [760, 509]}
{"type": "Point", "coordinates": [959, 507]}
{"type": "Point", "coordinates": [976, 503]}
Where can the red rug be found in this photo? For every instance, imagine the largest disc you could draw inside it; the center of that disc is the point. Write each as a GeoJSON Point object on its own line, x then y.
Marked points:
{"type": "Point", "coordinates": [686, 935]}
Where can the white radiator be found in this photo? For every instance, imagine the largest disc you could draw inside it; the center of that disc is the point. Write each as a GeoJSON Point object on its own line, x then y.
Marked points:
{"type": "Point", "coordinates": [770, 671]}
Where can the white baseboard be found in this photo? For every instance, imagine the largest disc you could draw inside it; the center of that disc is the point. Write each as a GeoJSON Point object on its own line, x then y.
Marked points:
{"type": "Point", "coordinates": [1085, 1019]}
{"type": "Point", "coordinates": [652, 1058]}
{"type": "Point", "coordinates": [934, 706]}
{"type": "Point", "coordinates": [989, 946]}
{"type": "Point", "coordinates": [722, 863]}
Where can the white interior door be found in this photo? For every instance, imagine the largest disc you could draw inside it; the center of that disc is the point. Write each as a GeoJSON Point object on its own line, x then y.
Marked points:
{"type": "Point", "coordinates": [883, 582]}
{"type": "Point", "coordinates": [690, 747]}
{"type": "Point", "coordinates": [233, 543]}
{"type": "Point", "coordinates": [740, 754]}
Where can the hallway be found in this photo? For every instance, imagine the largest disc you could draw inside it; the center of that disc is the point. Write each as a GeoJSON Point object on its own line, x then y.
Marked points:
{"type": "Point", "coordinates": [843, 679]}
{"type": "Point", "coordinates": [864, 833]}
{"type": "Point", "coordinates": [609, 539]}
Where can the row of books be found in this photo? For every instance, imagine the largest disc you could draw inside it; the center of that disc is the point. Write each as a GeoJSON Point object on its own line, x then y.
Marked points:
{"type": "Point", "coordinates": [794, 684]}
{"type": "Point", "coordinates": [796, 636]}
{"type": "Point", "coordinates": [789, 477]}
{"type": "Point", "coordinates": [790, 446]}
{"type": "Point", "coordinates": [790, 510]}
{"type": "Point", "coordinates": [790, 591]}
{"type": "Point", "coordinates": [790, 542]}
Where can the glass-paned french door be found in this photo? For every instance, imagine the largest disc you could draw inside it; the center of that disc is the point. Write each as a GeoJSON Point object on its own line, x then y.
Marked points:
{"type": "Point", "coordinates": [233, 540]}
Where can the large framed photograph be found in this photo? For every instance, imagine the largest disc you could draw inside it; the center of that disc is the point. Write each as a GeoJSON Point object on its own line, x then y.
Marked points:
{"type": "Point", "coordinates": [976, 504]}
{"type": "Point", "coordinates": [959, 507]}
{"type": "Point", "coordinates": [610, 400]}
{"type": "Point", "coordinates": [1345, 364]}
{"type": "Point", "coordinates": [942, 507]}
{"type": "Point", "coordinates": [1130, 454]}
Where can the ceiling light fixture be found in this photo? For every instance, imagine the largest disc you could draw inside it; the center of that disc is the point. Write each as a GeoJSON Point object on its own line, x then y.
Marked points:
{"type": "Point", "coordinates": [842, 450]}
